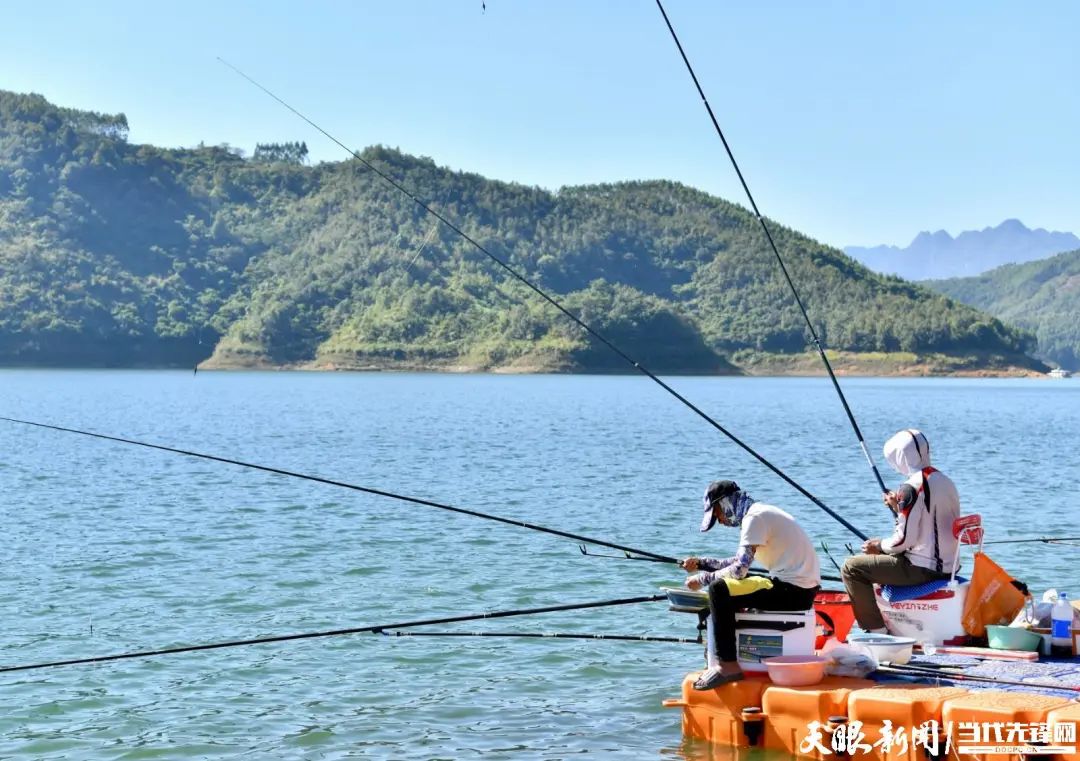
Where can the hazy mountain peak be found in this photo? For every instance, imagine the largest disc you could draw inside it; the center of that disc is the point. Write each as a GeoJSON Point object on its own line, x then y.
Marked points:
{"type": "Point", "coordinates": [926, 237]}
{"type": "Point", "coordinates": [936, 255]}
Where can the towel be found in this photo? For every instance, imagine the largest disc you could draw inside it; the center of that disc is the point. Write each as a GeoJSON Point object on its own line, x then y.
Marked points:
{"type": "Point", "coordinates": [740, 587]}
{"type": "Point", "coordinates": [891, 593]}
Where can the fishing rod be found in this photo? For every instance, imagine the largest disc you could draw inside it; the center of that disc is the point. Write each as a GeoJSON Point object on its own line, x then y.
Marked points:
{"type": "Point", "coordinates": [553, 302]}
{"type": "Point", "coordinates": [332, 633]}
{"type": "Point", "coordinates": [624, 556]}
{"type": "Point", "coordinates": [1043, 539]}
{"type": "Point", "coordinates": [551, 635]}
{"type": "Point", "coordinates": [772, 244]}
{"type": "Point", "coordinates": [927, 673]}
{"type": "Point", "coordinates": [354, 487]}
{"type": "Point", "coordinates": [628, 556]}
{"type": "Point", "coordinates": [825, 549]}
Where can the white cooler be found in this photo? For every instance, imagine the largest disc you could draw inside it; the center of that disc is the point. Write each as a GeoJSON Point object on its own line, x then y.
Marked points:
{"type": "Point", "coordinates": [762, 634]}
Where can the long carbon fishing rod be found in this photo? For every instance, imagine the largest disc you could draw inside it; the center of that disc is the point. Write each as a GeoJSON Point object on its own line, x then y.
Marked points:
{"type": "Point", "coordinates": [332, 633]}
{"type": "Point", "coordinates": [354, 487]}
{"type": "Point", "coordinates": [1043, 539]}
{"type": "Point", "coordinates": [926, 674]}
{"type": "Point", "coordinates": [551, 635]}
{"type": "Point", "coordinates": [542, 294]}
{"type": "Point", "coordinates": [628, 556]}
{"type": "Point", "coordinates": [772, 244]}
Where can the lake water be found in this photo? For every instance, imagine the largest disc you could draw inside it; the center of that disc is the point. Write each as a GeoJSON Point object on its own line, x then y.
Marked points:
{"type": "Point", "coordinates": [111, 548]}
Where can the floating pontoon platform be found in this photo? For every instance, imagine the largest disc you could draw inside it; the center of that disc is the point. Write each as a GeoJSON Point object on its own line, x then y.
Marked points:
{"type": "Point", "coordinates": [951, 714]}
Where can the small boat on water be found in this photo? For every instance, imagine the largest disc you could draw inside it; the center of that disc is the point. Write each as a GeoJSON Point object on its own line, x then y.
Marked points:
{"type": "Point", "coordinates": [1058, 372]}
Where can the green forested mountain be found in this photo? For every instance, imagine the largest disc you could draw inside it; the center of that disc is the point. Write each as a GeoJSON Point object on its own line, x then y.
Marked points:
{"type": "Point", "coordinates": [121, 254]}
{"type": "Point", "coordinates": [1042, 296]}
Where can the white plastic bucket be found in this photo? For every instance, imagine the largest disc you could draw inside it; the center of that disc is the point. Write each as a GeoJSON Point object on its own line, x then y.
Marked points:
{"type": "Point", "coordinates": [761, 634]}
{"type": "Point", "coordinates": [935, 618]}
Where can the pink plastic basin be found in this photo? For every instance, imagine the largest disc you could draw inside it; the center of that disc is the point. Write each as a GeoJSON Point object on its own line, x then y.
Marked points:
{"type": "Point", "coordinates": [795, 670]}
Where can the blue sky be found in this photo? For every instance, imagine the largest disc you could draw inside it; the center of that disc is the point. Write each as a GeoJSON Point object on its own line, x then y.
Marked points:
{"type": "Point", "coordinates": [857, 123]}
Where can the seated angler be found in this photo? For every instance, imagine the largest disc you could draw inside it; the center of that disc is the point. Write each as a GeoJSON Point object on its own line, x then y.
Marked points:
{"type": "Point", "coordinates": [773, 538]}
{"type": "Point", "coordinates": [926, 505]}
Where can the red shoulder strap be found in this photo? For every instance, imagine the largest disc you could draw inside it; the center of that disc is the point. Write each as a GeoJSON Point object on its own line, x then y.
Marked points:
{"type": "Point", "coordinates": [924, 487]}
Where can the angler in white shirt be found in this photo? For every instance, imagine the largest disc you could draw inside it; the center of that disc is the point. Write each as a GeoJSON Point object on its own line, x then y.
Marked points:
{"type": "Point", "coordinates": [773, 538]}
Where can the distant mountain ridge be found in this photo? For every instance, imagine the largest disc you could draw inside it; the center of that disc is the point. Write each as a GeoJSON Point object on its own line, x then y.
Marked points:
{"type": "Point", "coordinates": [1041, 296]}
{"type": "Point", "coordinates": [939, 255]}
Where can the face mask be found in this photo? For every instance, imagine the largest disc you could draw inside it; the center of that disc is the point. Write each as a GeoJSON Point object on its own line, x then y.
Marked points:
{"type": "Point", "coordinates": [733, 508]}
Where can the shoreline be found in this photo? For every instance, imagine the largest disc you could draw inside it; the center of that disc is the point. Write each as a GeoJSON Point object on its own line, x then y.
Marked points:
{"type": "Point", "coordinates": [738, 364]}
{"type": "Point", "coordinates": [403, 369]}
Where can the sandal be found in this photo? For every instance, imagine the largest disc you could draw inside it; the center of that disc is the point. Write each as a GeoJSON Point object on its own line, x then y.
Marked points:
{"type": "Point", "coordinates": [713, 678]}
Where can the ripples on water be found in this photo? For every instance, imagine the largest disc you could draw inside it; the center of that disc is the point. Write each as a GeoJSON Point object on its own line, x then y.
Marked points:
{"type": "Point", "coordinates": [111, 548]}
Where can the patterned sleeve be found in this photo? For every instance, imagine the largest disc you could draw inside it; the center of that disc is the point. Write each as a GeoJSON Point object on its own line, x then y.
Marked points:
{"type": "Point", "coordinates": [737, 569]}
{"type": "Point", "coordinates": [905, 530]}
{"type": "Point", "coordinates": [715, 564]}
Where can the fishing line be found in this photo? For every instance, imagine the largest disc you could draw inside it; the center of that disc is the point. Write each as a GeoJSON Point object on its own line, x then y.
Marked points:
{"type": "Point", "coordinates": [772, 244]}
{"type": "Point", "coordinates": [423, 245]}
{"type": "Point", "coordinates": [333, 633]}
{"type": "Point", "coordinates": [354, 487]}
{"type": "Point", "coordinates": [552, 635]}
{"type": "Point", "coordinates": [542, 294]}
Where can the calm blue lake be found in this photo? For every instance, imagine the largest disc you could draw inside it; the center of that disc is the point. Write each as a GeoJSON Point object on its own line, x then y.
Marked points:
{"type": "Point", "coordinates": [111, 548]}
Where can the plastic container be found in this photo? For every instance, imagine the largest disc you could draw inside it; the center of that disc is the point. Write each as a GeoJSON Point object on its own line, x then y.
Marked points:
{"type": "Point", "coordinates": [686, 600]}
{"type": "Point", "coordinates": [761, 634]}
{"type": "Point", "coordinates": [934, 618]}
{"type": "Point", "coordinates": [795, 670]}
{"type": "Point", "coordinates": [1012, 638]}
{"type": "Point", "coordinates": [1061, 618]}
{"type": "Point", "coordinates": [885, 647]}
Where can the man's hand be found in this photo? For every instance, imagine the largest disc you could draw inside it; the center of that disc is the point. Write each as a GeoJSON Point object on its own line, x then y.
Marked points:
{"type": "Point", "coordinates": [889, 498]}
{"type": "Point", "coordinates": [695, 581]}
{"type": "Point", "coordinates": [872, 547]}
{"type": "Point", "coordinates": [689, 564]}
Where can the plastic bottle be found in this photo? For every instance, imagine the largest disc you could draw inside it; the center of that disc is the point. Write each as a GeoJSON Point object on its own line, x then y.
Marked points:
{"type": "Point", "coordinates": [1061, 618]}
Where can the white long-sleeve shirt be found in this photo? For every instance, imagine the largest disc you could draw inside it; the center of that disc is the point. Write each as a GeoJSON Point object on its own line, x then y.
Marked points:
{"type": "Point", "coordinates": [928, 505]}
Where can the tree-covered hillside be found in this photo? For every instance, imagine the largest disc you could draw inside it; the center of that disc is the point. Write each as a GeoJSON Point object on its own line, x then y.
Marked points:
{"type": "Point", "coordinates": [121, 254]}
{"type": "Point", "coordinates": [1042, 296]}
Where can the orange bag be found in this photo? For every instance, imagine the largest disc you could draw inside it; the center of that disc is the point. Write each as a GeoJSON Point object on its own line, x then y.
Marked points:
{"type": "Point", "coordinates": [835, 616]}
{"type": "Point", "coordinates": [991, 598]}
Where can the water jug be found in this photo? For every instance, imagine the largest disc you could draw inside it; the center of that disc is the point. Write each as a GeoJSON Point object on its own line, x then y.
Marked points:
{"type": "Point", "coordinates": [1061, 618]}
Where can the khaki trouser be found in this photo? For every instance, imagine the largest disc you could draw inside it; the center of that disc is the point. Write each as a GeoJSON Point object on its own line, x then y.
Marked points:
{"type": "Point", "coordinates": [861, 572]}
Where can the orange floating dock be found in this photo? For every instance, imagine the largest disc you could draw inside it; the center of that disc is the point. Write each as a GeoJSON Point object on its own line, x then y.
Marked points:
{"type": "Point", "coordinates": [794, 715]}
{"type": "Point", "coordinates": [1067, 714]}
{"type": "Point", "coordinates": [985, 718]}
{"type": "Point", "coordinates": [851, 718]}
{"type": "Point", "coordinates": [893, 706]}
